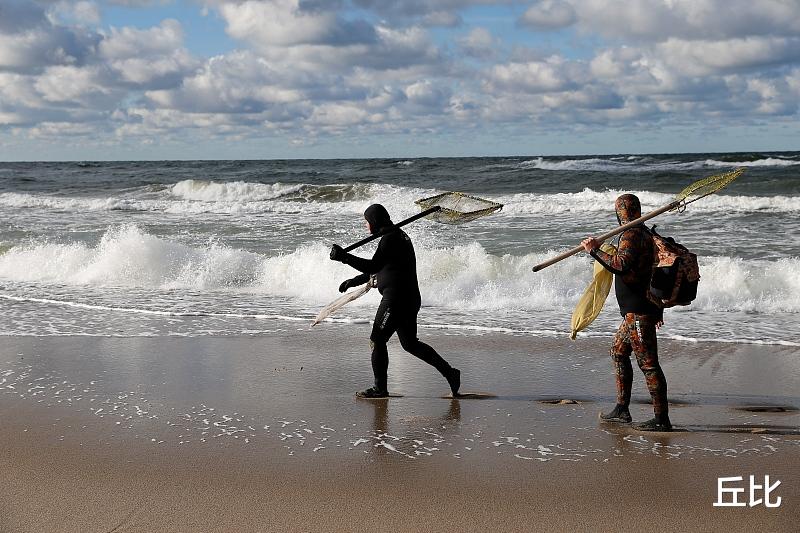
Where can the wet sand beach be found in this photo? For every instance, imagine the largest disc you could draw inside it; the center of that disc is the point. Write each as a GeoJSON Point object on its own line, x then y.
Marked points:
{"type": "Point", "coordinates": [263, 434]}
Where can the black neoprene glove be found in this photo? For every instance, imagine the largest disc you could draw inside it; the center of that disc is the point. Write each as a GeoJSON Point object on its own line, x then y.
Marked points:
{"type": "Point", "coordinates": [345, 285]}
{"type": "Point", "coordinates": [338, 253]}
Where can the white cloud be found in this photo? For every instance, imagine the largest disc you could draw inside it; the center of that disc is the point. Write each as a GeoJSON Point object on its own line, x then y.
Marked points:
{"type": "Point", "coordinates": [313, 36]}
{"type": "Point", "coordinates": [793, 81]}
{"type": "Point", "coordinates": [78, 13]}
{"type": "Point", "coordinates": [35, 48]}
{"type": "Point", "coordinates": [425, 93]}
{"type": "Point", "coordinates": [18, 90]}
{"type": "Point", "coordinates": [772, 97]}
{"type": "Point", "coordinates": [305, 69]}
{"type": "Point", "coordinates": [479, 43]}
{"type": "Point", "coordinates": [70, 84]}
{"type": "Point", "coordinates": [701, 58]}
{"type": "Point", "coordinates": [148, 57]}
{"type": "Point", "coordinates": [159, 71]}
{"type": "Point", "coordinates": [659, 20]}
{"type": "Point", "coordinates": [137, 3]}
{"type": "Point", "coordinates": [57, 130]}
{"type": "Point", "coordinates": [341, 115]}
{"type": "Point", "coordinates": [128, 42]}
{"type": "Point", "coordinates": [549, 15]}
{"type": "Point", "coordinates": [424, 9]}
{"type": "Point", "coordinates": [237, 83]}
{"type": "Point", "coordinates": [553, 74]}
{"type": "Point", "coordinates": [285, 23]}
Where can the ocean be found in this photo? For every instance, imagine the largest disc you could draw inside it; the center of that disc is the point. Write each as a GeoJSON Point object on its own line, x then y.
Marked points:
{"type": "Point", "coordinates": [231, 248]}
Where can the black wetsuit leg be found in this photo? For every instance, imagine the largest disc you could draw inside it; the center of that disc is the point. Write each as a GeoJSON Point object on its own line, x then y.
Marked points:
{"type": "Point", "coordinates": [399, 316]}
{"type": "Point", "coordinates": [407, 334]}
{"type": "Point", "coordinates": [382, 330]}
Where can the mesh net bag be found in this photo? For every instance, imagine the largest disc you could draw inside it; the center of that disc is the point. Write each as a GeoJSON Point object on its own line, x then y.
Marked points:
{"type": "Point", "coordinates": [457, 208]}
{"type": "Point", "coordinates": [707, 186]}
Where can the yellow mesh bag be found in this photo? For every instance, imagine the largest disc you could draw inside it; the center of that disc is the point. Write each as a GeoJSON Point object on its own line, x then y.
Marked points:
{"type": "Point", "coordinates": [591, 303]}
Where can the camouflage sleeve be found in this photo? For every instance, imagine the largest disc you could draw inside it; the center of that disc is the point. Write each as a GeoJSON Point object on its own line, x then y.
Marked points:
{"type": "Point", "coordinates": [625, 257]}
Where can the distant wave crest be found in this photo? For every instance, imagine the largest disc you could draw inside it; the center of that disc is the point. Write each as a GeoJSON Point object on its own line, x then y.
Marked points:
{"type": "Point", "coordinates": [240, 198]}
{"type": "Point", "coordinates": [589, 200]}
{"type": "Point", "coordinates": [644, 164]}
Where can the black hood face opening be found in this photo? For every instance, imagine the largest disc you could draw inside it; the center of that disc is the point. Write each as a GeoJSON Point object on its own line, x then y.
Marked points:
{"type": "Point", "coordinates": [628, 208]}
{"type": "Point", "coordinates": [378, 217]}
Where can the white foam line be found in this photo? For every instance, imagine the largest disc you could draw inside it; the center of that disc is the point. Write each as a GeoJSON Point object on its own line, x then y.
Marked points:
{"type": "Point", "coordinates": [555, 333]}
{"type": "Point", "coordinates": [148, 311]}
{"type": "Point", "coordinates": [462, 327]}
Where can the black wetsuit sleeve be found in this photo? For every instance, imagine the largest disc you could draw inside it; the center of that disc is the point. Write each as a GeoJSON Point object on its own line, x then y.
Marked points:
{"type": "Point", "coordinates": [359, 280]}
{"type": "Point", "coordinates": [369, 266]}
{"type": "Point", "coordinates": [596, 253]}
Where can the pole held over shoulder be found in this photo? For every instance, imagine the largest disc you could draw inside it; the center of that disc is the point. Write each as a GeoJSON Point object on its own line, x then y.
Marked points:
{"type": "Point", "coordinates": [448, 208]}
{"type": "Point", "coordinates": [608, 235]}
{"type": "Point", "coordinates": [699, 189]}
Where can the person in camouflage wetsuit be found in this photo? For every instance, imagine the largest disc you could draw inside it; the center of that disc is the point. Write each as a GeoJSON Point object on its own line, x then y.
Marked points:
{"type": "Point", "coordinates": [632, 266]}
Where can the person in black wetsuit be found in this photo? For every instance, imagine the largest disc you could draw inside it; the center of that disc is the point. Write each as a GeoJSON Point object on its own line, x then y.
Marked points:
{"type": "Point", "coordinates": [395, 264]}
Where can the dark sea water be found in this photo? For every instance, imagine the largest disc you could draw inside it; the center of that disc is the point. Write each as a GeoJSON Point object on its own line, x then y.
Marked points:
{"type": "Point", "coordinates": [240, 247]}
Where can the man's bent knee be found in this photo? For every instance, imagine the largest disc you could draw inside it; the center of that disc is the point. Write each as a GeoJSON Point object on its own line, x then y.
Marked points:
{"type": "Point", "coordinates": [410, 345]}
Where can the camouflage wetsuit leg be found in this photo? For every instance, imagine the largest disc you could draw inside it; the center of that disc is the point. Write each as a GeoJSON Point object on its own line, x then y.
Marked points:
{"type": "Point", "coordinates": [637, 335]}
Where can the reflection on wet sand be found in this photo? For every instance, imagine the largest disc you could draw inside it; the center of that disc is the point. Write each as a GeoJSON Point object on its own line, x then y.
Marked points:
{"type": "Point", "coordinates": [411, 436]}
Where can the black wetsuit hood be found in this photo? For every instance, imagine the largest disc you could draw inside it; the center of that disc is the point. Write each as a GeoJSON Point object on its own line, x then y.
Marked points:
{"type": "Point", "coordinates": [378, 218]}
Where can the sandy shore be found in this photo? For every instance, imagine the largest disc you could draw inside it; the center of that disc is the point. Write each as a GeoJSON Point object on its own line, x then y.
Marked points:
{"type": "Point", "coordinates": [263, 434]}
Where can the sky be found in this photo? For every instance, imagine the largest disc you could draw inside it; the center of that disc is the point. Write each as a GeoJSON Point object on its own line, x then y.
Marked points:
{"type": "Point", "coordinates": [283, 79]}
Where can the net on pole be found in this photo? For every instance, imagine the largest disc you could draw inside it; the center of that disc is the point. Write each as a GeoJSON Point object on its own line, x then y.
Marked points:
{"type": "Point", "coordinates": [704, 187]}
{"type": "Point", "coordinates": [458, 208]}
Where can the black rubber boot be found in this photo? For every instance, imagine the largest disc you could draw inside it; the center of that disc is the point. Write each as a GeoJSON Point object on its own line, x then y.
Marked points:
{"type": "Point", "coordinates": [454, 379]}
{"type": "Point", "coordinates": [373, 392]}
{"type": "Point", "coordinates": [619, 415]}
{"type": "Point", "coordinates": [655, 424]}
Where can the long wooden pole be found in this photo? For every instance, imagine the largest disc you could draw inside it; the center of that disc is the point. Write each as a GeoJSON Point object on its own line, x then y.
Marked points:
{"type": "Point", "coordinates": [400, 224]}
{"type": "Point", "coordinates": [608, 235]}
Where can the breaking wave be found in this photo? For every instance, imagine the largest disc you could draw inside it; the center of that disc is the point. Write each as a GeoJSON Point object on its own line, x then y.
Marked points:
{"type": "Point", "coordinates": [231, 191]}
{"type": "Point", "coordinates": [589, 200]}
{"type": "Point", "coordinates": [460, 277]}
{"type": "Point", "coordinates": [193, 197]}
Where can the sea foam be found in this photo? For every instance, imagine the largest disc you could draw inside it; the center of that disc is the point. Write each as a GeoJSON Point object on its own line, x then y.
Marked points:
{"type": "Point", "coordinates": [463, 277]}
{"type": "Point", "coordinates": [231, 191]}
{"type": "Point", "coordinates": [595, 201]}
{"type": "Point", "coordinates": [242, 198]}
